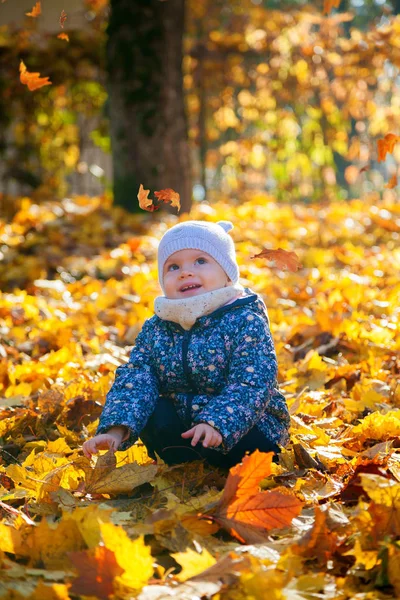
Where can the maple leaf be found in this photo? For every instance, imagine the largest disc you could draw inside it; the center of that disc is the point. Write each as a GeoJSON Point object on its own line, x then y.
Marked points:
{"type": "Point", "coordinates": [145, 202]}
{"type": "Point", "coordinates": [63, 18]}
{"type": "Point", "coordinates": [169, 195]}
{"type": "Point", "coordinates": [283, 259]}
{"type": "Point", "coordinates": [97, 569]}
{"type": "Point", "coordinates": [391, 183]}
{"type": "Point", "coordinates": [36, 11]}
{"type": "Point", "coordinates": [244, 511]}
{"type": "Point", "coordinates": [386, 144]}
{"type": "Point", "coordinates": [105, 478]}
{"type": "Point", "coordinates": [32, 80]}
{"type": "Point", "coordinates": [63, 36]}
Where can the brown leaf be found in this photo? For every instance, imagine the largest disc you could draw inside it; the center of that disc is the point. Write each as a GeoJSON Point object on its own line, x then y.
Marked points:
{"type": "Point", "coordinates": [283, 259]}
{"type": "Point", "coordinates": [169, 195]}
{"type": "Point", "coordinates": [36, 11]}
{"type": "Point", "coordinates": [63, 18]}
{"type": "Point", "coordinates": [319, 542]}
{"type": "Point", "coordinates": [145, 202]}
{"type": "Point", "coordinates": [106, 478]}
{"type": "Point", "coordinates": [32, 80]}
{"type": "Point", "coordinates": [97, 569]}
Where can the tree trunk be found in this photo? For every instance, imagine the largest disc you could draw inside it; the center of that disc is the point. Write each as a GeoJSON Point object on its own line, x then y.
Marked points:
{"type": "Point", "coordinates": [147, 114]}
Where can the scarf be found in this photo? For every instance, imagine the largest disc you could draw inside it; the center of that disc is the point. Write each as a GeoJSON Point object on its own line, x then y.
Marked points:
{"type": "Point", "coordinates": [186, 311]}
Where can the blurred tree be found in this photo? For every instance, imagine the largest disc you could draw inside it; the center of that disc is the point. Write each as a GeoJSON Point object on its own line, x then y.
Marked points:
{"type": "Point", "coordinates": [146, 108]}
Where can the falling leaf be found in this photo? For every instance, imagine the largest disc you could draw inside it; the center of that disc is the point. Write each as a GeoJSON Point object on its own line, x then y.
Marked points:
{"type": "Point", "coordinates": [36, 11]}
{"type": "Point", "coordinates": [329, 4]}
{"type": "Point", "coordinates": [63, 36]}
{"type": "Point", "coordinates": [63, 18]}
{"type": "Point", "coordinates": [145, 202]}
{"type": "Point", "coordinates": [283, 259]}
{"type": "Point", "coordinates": [32, 80]}
{"type": "Point", "coordinates": [97, 569]}
{"type": "Point", "coordinates": [364, 169]}
{"type": "Point", "coordinates": [392, 182]}
{"type": "Point", "coordinates": [386, 145]}
{"type": "Point", "coordinates": [169, 195]}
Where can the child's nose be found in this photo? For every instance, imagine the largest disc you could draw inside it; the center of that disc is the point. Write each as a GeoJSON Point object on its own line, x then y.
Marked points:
{"type": "Point", "coordinates": [186, 271]}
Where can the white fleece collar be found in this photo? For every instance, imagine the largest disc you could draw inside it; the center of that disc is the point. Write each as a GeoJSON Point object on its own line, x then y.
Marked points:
{"type": "Point", "coordinates": [186, 311]}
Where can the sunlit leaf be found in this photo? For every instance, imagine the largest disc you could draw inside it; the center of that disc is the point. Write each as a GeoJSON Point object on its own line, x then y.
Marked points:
{"type": "Point", "coordinates": [32, 80]}
{"type": "Point", "coordinates": [36, 10]}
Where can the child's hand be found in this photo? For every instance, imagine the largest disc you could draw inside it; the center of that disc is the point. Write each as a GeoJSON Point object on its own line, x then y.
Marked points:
{"type": "Point", "coordinates": [104, 441]}
{"type": "Point", "coordinates": [212, 438]}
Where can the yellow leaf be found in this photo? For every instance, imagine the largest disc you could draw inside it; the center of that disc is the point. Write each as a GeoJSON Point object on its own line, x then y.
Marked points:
{"type": "Point", "coordinates": [193, 563]}
{"type": "Point", "coordinates": [132, 555]}
{"type": "Point", "coordinates": [364, 558]}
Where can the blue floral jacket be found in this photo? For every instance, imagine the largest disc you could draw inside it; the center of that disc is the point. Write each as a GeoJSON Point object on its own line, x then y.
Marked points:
{"type": "Point", "coordinates": [221, 372]}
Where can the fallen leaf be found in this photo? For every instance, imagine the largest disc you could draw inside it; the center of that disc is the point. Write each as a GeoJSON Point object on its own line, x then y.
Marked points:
{"type": "Point", "coordinates": [283, 259]}
{"type": "Point", "coordinates": [132, 555]}
{"type": "Point", "coordinates": [248, 514]}
{"type": "Point", "coordinates": [32, 80]}
{"type": "Point", "coordinates": [193, 563]}
{"type": "Point", "coordinates": [106, 478]}
{"type": "Point", "coordinates": [97, 569]}
{"type": "Point", "coordinates": [36, 11]}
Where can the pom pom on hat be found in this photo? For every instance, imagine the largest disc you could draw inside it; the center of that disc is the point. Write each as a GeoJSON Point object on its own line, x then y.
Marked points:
{"type": "Point", "coordinates": [209, 237]}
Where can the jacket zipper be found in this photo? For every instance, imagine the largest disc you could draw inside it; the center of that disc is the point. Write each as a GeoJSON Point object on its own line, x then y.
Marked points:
{"type": "Point", "coordinates": [185, 348]}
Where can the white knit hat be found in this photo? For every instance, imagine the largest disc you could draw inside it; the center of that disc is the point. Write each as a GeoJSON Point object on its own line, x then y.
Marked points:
{"type": "Point", "coordinates": [200, 235]}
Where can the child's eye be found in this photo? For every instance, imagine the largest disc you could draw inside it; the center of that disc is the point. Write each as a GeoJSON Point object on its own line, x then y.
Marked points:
{"type": "Point", "coordinates": [202, 261]}
{"type": "Point", "coordinates": [172, 267]}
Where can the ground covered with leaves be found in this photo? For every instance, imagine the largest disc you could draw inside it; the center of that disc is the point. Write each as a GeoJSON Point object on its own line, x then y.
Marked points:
{"type": "Point", "coordinates": [79, 278]}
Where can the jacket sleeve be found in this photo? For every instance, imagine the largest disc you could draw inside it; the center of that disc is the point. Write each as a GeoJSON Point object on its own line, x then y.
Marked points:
{"type": "Point", "coordinates": [134, 393]}
{"type": "Point", "coordinates": [251, 381]}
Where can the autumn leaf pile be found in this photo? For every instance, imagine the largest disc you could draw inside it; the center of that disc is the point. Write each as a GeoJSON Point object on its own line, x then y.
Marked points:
{"type": "Point", "coordinates": [79, 278]}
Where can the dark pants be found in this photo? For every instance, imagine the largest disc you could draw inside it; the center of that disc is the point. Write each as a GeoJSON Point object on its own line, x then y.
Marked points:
{"type": "Point", "coordinates": [162, 434]}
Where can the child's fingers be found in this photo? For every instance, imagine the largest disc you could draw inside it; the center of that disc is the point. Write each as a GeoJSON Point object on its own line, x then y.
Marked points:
{"type": "Point", "coordinates": [208, 439]}
{"type": "Point", "coordinates": [189, 433]}
{"type": "Point", "coordinates": [199, 432]}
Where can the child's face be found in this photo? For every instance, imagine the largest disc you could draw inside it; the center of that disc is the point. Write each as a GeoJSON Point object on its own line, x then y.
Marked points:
{"type": "Point", "coordinates": [192, 268]}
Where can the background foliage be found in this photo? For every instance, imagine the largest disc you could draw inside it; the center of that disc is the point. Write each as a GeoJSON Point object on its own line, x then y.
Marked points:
{"type": "Point", "coordinates": [288, 101]}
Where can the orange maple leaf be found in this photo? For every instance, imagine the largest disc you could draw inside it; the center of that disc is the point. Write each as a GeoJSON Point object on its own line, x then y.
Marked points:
{"type": "Point", "coordinates": [145, 202]}
{"type": "Point", "coordinates": [63, 18]}
{"type": "Point", "coordinates": [32, 80]}
{"type": "Point", "coordinates": [36, 11]}
{"type": "Point", "coordinates": [391, 183]}
{"type": "Point", "coordinates": [169, 195]}
{"type": "Point", "coordinates": [283, 259]}
{"type": "Point", "coordinates": [319, 541]}
{"type": "Point", "coordinates": [386, 144]}
{"type": "Point", "coordinates": [97, 569]}
{"type": "Point", "coordinates": [63, 36]}
{"type": "Point", "coordinates": [329, 4]}
{"type": "Point", "coordinates": [247, 513]}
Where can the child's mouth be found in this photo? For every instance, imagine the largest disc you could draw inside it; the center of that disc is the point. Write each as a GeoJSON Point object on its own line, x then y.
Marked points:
{"type": "Point", "coordinates": [190, 289]}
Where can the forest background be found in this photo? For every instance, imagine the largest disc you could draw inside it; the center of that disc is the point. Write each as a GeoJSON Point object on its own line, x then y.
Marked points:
{"type": "Point", "coordinates": [283, 118]}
